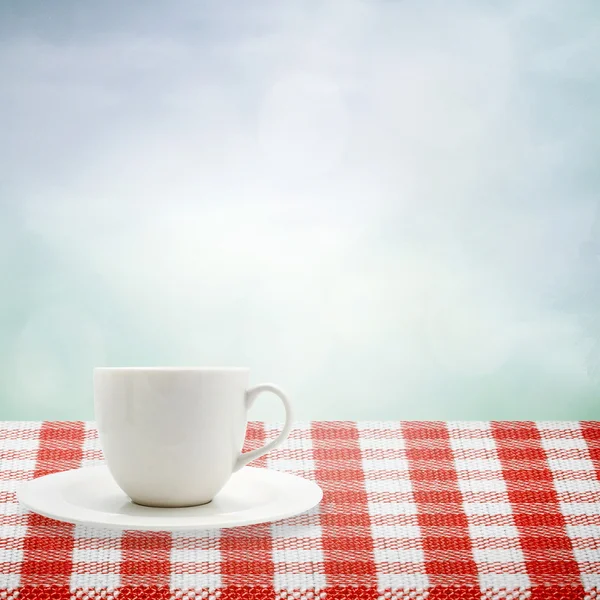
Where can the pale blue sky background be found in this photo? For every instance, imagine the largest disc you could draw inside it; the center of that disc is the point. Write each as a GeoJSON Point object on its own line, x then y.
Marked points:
{"type": "Point", "coordinates": [388, 208]}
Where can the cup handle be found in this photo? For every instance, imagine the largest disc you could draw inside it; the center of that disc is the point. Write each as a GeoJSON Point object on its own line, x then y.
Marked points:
{"type": "Point", "coordinates": [251, 394]}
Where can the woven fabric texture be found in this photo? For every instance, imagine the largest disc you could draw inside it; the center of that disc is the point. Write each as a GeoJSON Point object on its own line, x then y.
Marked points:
{"type": "Point", "coordinates": [411, 510]}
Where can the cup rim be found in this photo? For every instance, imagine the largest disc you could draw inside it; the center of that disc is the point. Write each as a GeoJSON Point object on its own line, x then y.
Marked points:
{"type": "Point", "coordinates": [171, 368]}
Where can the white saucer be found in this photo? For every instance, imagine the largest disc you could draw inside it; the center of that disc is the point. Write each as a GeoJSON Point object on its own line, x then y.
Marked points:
{"type": "Point", "coordinates": [90, 496]}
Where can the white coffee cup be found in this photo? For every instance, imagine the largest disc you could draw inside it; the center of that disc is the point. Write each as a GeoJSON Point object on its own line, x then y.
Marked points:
{"type": "Point", "coordinates": [173, 436]}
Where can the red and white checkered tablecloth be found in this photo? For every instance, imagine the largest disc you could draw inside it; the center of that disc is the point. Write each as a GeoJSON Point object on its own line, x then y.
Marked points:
{"type": "Point", "coordinates": [411, 510]}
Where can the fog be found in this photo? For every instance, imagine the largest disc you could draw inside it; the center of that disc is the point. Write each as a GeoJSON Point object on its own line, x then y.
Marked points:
{"type": "Point", "coordinates": [388, 208]}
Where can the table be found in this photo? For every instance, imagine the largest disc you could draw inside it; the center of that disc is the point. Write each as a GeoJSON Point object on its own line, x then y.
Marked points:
{"type": "Point", "coordinates": [419, 510]}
